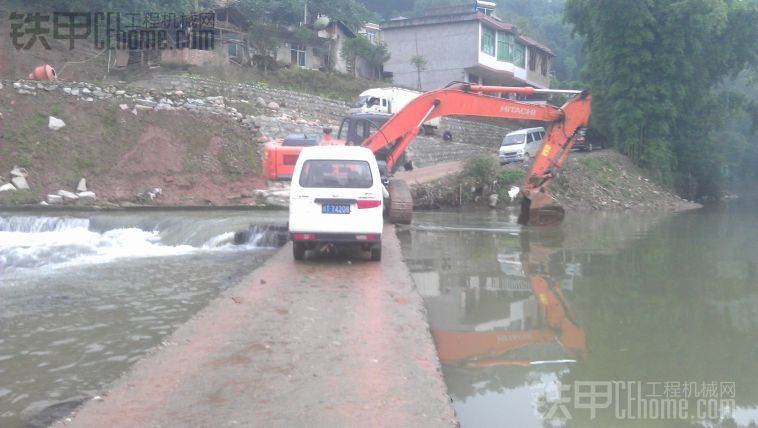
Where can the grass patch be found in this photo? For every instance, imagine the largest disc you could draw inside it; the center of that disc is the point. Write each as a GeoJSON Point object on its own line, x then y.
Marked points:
{"type": "Point", "coordinates": [325, 84]}
{"type": "Point", "coordinates": [599, 166]}
{"type": "Point", "coordinates": [603, 170]}
{"type": "Point", "coordinates": [247, 109]}
{"type": "Point", "coordinates": [19, 197]}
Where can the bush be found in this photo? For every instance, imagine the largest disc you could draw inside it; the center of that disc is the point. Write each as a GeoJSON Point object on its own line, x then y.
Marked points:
{"type": "Point", "coordinates": [507, 179]}
{"type": "Point", "coordinates": [480, 171]}
{"type": "Point", "coordinates": [483, 173]}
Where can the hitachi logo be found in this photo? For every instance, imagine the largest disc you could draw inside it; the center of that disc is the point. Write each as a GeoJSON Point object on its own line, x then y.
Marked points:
{"type": "Point", "coordinates": [525, 111]}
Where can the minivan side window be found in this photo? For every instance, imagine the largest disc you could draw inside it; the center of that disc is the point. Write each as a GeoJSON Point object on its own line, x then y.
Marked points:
{"type": "Point", "coordinates": [353, 174]}
{"type": "Point", "coordinates": [529, 138]}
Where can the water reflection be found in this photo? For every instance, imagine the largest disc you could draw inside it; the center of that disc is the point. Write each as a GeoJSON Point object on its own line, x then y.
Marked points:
{"type": "Point", "coordinates": [500, 313]}
{"type": "Point", "coordinates": [503, 318]}
{"type": "Point", "coordinates": [518, 315]}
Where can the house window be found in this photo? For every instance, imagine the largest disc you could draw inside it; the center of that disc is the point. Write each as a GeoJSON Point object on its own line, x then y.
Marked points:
{"type": "Point", "coordinates": [544, 64]}
{"type": "Point", "coordinates": [504, 46]}
{"type": "Point", "coordinates": [233, 50]}
{"type": "Point", "coordinates": [485, 10]}
{"type": "Point", "coordinates": [518, 55]}
{"type": "Point", "coordinates": [297, 55]}
{"type": "Point", "coordinates": [509, 50]}
{"type": "Point", "coordinates": [488, 41]}
{"type": "Point", "coordinates": [532, 58]}
{"type": "Point", "coordinates": [371, 36]}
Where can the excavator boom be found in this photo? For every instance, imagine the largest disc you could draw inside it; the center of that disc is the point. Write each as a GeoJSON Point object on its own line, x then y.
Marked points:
{"type": "Point", "coordinates": [538, 206]}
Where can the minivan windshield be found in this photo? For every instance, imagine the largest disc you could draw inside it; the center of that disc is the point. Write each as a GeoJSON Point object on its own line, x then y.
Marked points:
{"type": "Point", "coordinates": [512, 140]}
{"type": "Point", "coordinates": [336, 174]}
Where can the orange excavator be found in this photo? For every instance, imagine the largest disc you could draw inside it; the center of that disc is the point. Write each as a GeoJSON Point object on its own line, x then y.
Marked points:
{"type": "Point", "coordinates": [390, 141]}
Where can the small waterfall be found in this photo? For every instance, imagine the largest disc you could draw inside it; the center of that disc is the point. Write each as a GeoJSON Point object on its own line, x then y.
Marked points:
{"type": "Point", "coordinates": [29, 224]}
{"type": "Point", "coordinates": [28, 242]}
{"type": "Point", "coordinates": [261, 236]}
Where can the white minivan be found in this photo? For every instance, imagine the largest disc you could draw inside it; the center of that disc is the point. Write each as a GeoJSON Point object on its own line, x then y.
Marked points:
{"type": "Point", "coordinates": [521, 145]}
{"type": "Point", "coordinates": [336, 201]}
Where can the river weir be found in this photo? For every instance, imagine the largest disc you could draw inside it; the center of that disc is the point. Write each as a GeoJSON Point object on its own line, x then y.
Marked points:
{"type": "Point", "coordinates": [84, 296]}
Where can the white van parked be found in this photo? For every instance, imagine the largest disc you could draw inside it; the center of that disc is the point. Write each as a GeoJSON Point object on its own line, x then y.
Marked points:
{"type": "Point", "coordinates": [388, 100]}
{"type": "Point", "coordinates": [336, 201]}
{"type": "Point", "coordinates": [521, 145]}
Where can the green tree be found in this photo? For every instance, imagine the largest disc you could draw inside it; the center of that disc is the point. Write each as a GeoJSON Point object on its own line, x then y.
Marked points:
{"type": "Point", "coordinates": [653, 66]}
{"type": "Point", "coordinates": [361, 47]}
{"type": "Point", "coordinates": [289, 12]}
{"type": "Point", "coordinates": [419, 61]}
{"type": "Point", "coordinates": [261, 39]}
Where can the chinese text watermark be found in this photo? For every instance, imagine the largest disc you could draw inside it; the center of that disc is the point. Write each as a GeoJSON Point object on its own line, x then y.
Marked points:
{"type": "Point", "coordinates": [632, 400]}
{"type": "Point", "coordinates": [114, 30]}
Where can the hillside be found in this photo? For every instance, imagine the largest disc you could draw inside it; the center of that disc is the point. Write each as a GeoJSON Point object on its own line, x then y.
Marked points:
{"type": "Point", "coordinates": [196, 159]}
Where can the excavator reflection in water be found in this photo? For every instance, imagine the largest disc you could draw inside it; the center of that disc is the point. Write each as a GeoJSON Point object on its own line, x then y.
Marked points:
{"type": "Point", "coordinates": [548, 320]}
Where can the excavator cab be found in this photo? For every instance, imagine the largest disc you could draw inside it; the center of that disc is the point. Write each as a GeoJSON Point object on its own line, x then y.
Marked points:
{"type": "Point", "coordinates": [358, 127]}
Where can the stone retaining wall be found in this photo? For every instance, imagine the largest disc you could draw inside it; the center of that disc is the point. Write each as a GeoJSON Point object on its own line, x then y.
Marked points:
{"type": "Point", "coordinates": [266, 112]}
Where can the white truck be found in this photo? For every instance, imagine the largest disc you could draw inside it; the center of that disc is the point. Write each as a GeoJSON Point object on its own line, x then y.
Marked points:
{"type": "Point", "coordinates": [388, 100]}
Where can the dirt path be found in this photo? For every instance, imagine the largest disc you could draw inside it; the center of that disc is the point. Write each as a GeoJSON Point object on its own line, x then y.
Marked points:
{"type": "Point", "coordinates": [429, 173]}
{"type": "Point", "coordinates": [319, 343]}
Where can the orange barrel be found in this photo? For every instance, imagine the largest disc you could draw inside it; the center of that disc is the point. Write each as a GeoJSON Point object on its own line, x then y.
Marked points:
{"type": "Point", "coordinates": [43, 72]}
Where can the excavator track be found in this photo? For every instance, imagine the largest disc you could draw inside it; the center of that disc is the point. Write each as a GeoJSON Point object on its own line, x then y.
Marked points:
{"type": "Point", "coordinates": [400, 202]}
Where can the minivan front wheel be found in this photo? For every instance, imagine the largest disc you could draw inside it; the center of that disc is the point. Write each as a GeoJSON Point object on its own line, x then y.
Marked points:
{"type": "Point", "coordinates": [298, 250]}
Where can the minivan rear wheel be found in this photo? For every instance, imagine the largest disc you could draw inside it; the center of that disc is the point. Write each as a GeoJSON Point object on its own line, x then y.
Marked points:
{"type": "Point", "coordinates": [376, 254]}
{"type": "Point", "coordinates": [298, 250]}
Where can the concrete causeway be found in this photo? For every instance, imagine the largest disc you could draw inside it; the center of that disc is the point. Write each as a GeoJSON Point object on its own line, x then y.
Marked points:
{"type": "Point", "coordinates": [326, 342]}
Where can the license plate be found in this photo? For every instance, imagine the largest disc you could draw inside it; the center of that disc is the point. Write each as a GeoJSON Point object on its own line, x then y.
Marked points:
{"type": "Point", "coordinates": [335, 209]}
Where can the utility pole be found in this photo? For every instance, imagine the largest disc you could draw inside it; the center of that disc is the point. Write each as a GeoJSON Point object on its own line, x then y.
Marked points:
{"type": "Point", "coordinates": [305, 12]}
{"type": "Point", "coordinates": [418, 65]}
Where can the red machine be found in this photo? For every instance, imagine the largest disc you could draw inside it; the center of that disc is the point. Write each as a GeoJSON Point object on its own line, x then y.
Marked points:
{"type": "Point", "coordinates": [280, 156]}
{"type": "Point", "coordinates": [392, 138]}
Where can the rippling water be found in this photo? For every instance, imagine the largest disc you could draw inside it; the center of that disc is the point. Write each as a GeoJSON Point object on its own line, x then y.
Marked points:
{"type": "Point", "coordinates": [84, 297]}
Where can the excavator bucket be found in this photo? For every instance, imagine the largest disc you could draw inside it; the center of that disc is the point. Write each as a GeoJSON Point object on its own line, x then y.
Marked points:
{"type": "Point", "coordinates": [540, 209]}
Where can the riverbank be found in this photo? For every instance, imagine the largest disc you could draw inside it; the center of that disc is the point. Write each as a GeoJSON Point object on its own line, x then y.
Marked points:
{"type": "Point", "coordinates": [170, 141]}
{"type": "Point", "coordinates": [325, 343]}
{"type": "Point", "coordinates": [190, 142]}
{"type": "Point", "coordinates": [598, 180]}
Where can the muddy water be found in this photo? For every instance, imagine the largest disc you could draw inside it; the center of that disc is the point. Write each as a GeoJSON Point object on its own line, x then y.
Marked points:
{"type": "Point", "coordinates": [611, 313]}
{"type": "Point", "coordinates": [82, 297]}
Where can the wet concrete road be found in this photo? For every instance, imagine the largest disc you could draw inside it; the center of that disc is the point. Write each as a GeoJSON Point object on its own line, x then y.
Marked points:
{"type": "Point", "coordinates": [318, 343]}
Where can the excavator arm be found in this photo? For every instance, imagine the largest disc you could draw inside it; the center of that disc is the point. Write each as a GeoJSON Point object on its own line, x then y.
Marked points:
{"type": "Point", "coordinates": [538, 207]}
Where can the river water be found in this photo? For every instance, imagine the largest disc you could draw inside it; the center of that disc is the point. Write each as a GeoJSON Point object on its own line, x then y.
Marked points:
{"type": "Point", "coordinates": [534, 327]}
{"type": "Point", "coordinates": [82, 297]}
{"type": "Point", "coordinates": [608, 320]}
